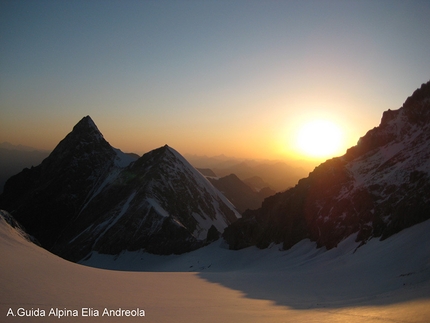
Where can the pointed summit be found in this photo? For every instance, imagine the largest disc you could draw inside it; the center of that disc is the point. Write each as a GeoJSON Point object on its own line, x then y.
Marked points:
{"type": "Point", "coordinates": [85, 131]}
{"type": "Point", "coordinates": [84, 144]}
{"type": "Point", "coordinates": [87, 125]}
{"type": "Point", "coordinates": [53, 192]}
{"type": "Point", "coordinates": [88, 120]}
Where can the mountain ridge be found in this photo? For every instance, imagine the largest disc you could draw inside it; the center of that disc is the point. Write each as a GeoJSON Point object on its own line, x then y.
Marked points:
{"type": "Point", "coordinates": [379, 187]}
{"type": "Point", "coordinates": [87, 195]}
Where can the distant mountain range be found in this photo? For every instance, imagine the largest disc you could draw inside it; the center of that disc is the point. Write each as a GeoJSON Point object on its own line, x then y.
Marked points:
{"type": "Point", "coordinates": [241, 194]}
{"type": "Point", "coordinates": [14, 158]}
{"type": "Point", "coordinates": [278, 175]}
{"type": "Point", "coordinates": [378, 188]}
{"type": "Point", "coordinates": [8, 145]}
{"type": "Point", "coordinates": [90, 197]}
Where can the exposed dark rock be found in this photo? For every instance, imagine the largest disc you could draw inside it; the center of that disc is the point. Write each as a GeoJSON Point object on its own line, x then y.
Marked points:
{"type": "Point", "coordinates": [378, 188]}
{"type": "Point", "coordinates": [213, 234]}
{"type": "Point", "coordinates": [47, 197]}
{"type": "Point", "coordinates": [89, 197]}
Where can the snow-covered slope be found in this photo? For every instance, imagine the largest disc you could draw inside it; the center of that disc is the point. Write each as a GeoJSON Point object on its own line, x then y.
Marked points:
{"type": "Point", "coordinates": [378, 188]}
{"type": "Point", "coordinates": [386, 281]}
{"type": "Point", "coordinates": [14, 227]}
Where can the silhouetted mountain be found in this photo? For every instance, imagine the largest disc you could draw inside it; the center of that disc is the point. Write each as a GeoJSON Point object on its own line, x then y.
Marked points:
{"type": "Point", "coordinates": [257, 183]}
{"type": "Point", "coordinates": [278, 175]}
{"type": "Point", "coordinates": [8, 145]}
{"type": "Point", "coordinates": [376, 189]}
{"type": "Point", "coordinates": [239, 193]}
{"type": "Point", "coordinates": [90, 197]}
{"type": "Point", "coordinates": [133, 155]}
{"type": "Point", "coordinates": [207, 172]}
{"type": "Point", "coordinates": [46, 198]}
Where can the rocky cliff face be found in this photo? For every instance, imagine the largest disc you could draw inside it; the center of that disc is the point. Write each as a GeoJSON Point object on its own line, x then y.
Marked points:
{"type": "Point", "coordinates": [376, 189]}
{"type": "Point", "coordinates": [88, 196]}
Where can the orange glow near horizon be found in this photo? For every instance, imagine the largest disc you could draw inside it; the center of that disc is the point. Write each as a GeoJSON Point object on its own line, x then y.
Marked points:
{"type": "Point", "coordinates": [309, 138]}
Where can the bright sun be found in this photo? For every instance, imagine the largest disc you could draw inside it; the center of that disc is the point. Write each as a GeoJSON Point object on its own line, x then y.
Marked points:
{"type": "Point", "coordinates": [319, 138]}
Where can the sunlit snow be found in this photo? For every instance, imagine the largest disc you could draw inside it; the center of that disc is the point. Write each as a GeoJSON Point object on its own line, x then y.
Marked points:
{"type": "Point", "coordinates": [386, 281]}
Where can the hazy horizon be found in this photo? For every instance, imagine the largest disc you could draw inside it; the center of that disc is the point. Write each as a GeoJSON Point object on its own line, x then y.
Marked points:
{"type": "Point", "coordinates": [221, 156]}
{"type": "Point", "coordinates": [240, 78]}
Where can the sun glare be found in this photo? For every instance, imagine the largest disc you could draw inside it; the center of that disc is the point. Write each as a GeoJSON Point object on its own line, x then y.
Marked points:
{"type": "Point", "coordinates": [319, 139]}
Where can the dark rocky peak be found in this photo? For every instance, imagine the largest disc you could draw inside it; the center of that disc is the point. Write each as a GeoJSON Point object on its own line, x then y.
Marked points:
{"type": "Point", "coordinates": [159, 203]}
{"type": "Point", "coordinates": [83, 147]}
{"type": "Point", "coordinates": [157, 154]}
{"type": "Point", "coordinates": [54, 192]}
{"type": "Point", "coordinates": [417, 106]}
{"type": "Point", "coordinates": [86, 124]}
{"type": "Point", "coordinates": [396, 125]}
{"type": "Point", "coordinates": [153, 161]}
{"type": "Point", "coordinates": [167, 162]}
{"type": "Point", "coordinates": [171, 154]}
{"type": "Point", "coordinates": [164, 168]}
{"type": "Point", "coordinates": [84, 134]}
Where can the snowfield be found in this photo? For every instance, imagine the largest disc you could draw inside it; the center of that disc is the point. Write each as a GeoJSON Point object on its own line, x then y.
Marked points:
{"type": "Point", "coordinates": [386, 281]}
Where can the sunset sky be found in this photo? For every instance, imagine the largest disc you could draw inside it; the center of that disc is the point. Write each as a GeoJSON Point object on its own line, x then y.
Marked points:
{"type": "Point", "coordinates": [240, 78]}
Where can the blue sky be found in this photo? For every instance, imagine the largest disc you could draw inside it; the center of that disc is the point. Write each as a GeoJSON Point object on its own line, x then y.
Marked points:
{"type": "Point", "coordinates": [206, 77]}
